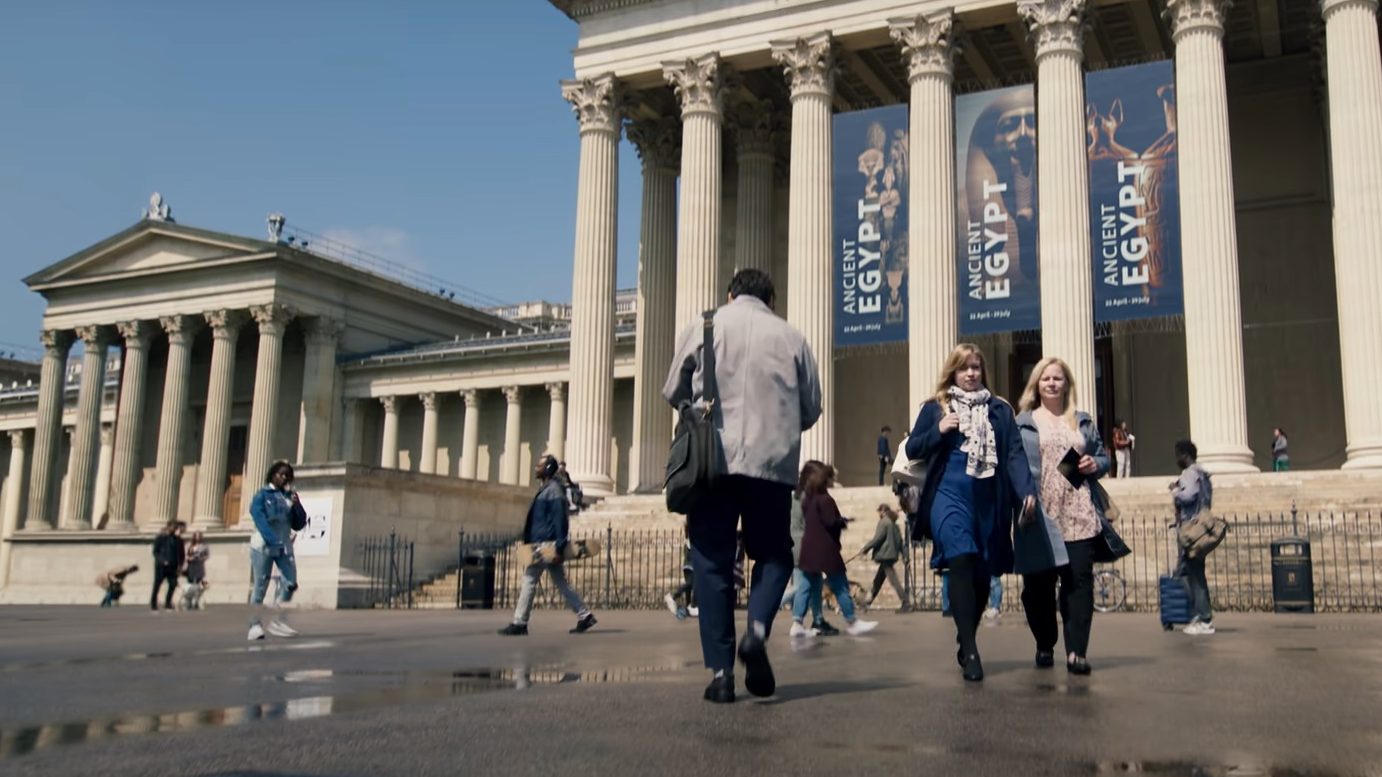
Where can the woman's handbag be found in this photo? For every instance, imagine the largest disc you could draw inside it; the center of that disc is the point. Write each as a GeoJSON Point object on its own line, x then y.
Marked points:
{"type": "Point", "coordinates": [909, 471]}
{"type": "Point", "coordinates": [1109, 546]}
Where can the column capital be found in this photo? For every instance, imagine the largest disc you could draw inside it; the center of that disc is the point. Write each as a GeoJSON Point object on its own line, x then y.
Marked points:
{"type": "Point", "coordinates": [1328, 7]}
{"type": "Point", "coordinates": [701, 84]}
{"type": "Point", "coordinates": [429, 400]}
{"type": "Point", "coordinates": [557, 391]}
{"type": "Point", "coordinates": [657, 141]}
{"type": "Point", "coordinates": [1187, 15]}
{"type": "Point", "coordinates": [323, 330]}
{"type": "Point", "coordinates": [272, 318]}
{"type": "Point", "coordinates": [1056, 26]}
{"type": "Point", "coordinates": [927, 43]}
{"type": "Point", "coordinates": [94, 335]}
{"type": "Point", "coordinates": [471, 397]}
{"type": "Point", "coordinates": [809, 64]}
{"type": "Point", "coordinates": [225, 323]}
{"type": "Point", "coordinates": [18, 438]}
{"type": "Point", "coordinates": [597, 102]}
{"type": "Point", "coordinates": [56, 342]}
{"type": "Point", "coordinates": [390, 404]}
{"type": "Point", "coordinates": [180, 328]}
{"type": "Point", "coordinates": [755, 125]}
{"type": "Point", "coordinates": [512, 394]}
{"type": "Point", "coordinates": [137, 333]}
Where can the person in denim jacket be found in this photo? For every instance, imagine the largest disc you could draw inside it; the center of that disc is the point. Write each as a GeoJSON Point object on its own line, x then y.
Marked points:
{"type": "Point", "coordinates": [274, 508]}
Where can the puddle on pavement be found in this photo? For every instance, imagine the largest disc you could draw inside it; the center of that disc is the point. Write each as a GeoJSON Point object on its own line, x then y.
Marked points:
{"type": "Point", "coordinates": [423, 686]}
{"type": "Point", "coordinates": [1190, 769]}
{"type": "Point", "coordinates": [63, 663]}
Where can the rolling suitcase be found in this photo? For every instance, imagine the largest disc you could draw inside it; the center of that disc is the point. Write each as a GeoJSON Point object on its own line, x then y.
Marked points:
{"type": "Point", "coordinates": [1175, 602]}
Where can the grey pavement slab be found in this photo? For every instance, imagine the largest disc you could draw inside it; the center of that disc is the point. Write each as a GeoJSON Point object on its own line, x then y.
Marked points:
{"type": "Point", "coordinates": [123, 691]}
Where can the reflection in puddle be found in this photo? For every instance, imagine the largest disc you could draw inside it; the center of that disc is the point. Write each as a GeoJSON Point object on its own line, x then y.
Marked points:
{"type": "Point", "coordinates": [267, 647]}
{"type": "Point", "coordinates": [1187, 769]}
{"type": "Point", "coordinates": [416, 687]}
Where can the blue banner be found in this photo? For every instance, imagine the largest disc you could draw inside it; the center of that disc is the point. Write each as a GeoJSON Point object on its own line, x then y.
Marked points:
{"type": "Point", "coordinates": [995, 164]}
{"type": "Point", "coordinates": [870, 210]}
{"type": "Point", "coordinates": [1134, 192]}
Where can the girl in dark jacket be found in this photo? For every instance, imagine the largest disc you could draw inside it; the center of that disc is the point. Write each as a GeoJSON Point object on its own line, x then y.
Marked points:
{"type": "Point", "coordinates": [820, 546]}
{"type": "Point", "coordinates": [976, 479]}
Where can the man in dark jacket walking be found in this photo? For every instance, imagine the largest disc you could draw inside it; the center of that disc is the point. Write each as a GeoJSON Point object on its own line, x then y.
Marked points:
{"type": "Point", "coordinates": [169, 555]}
{"type": "Point", "coordinates": [546, 532]}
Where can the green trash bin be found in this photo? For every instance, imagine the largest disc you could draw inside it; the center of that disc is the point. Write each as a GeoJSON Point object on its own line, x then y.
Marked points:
{"type": "Point", "coordinates": [1293, 583]}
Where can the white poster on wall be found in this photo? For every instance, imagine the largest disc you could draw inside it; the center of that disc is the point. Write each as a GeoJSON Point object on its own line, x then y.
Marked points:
{"type": "Point", "coordinates": [315, 539]}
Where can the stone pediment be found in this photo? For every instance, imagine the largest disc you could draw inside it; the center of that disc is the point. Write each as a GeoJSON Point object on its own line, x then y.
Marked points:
{"type": "Point", "coordinates": [148, 246]}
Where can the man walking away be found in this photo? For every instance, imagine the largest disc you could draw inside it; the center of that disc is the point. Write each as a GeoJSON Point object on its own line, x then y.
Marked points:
{"type": "Point", "coordinates": [168, 559]}
{"type": "Point", "coordinates": [769, 393]}
{"type": "Point", "coordinates": [546, 530]}
{"type": "Point", "coordinates": [886, 547]}
{"type": "Point", "coordinates": [885, 453]}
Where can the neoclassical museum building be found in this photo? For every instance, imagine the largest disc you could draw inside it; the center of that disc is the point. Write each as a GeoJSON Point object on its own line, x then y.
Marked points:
{"type": "Point", "coordinates": [179, 362]}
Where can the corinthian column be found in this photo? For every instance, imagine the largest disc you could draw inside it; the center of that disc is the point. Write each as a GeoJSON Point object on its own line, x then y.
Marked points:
{"type": "Point", "coordinates": [556, 420]}
{"type": "Point", "coordinates": [100, 499]}
{"type": "Point", "coordinates": [272, 320]}
{"type": "Point", "coordinates": [701, 84]}
{"type": "Point", "coordinates": [1213, 315]}
{"type": "Point", "coordinates": [658, 144]}
{"type": "Point", "coordinates": [209, 503]}
{"type": "Point", "coordinates": [931, 315]}
{"type": "Point", "coordinates": [1355, 134]}
{"type": "Point", "coordinates": [596, 103]}
{"type": "Point", "coordinates": [755, 129]}
{"type": "Point", "coordinates": [9, 515]}
{"type": "Point", "coordinates": [168, 470]}
{"type": "Point", "coordinates": [318, 389]}
{"type": "Point", "coordinates": [427, 463]}
{"type": "Point", "coordinates": [513, 419]}
{"type": "Point", "coordinates": [388, 454]}
{"type": "Point", "coordinates": [470, 434]}
{"type": "Point", "coordinates": [1067, 301]}
{"type": "Point", "coordinates": [810, 67]}
{"type": "Point", "coordinates": [86, 437]}
{"type": "Point", "coordinates": [129, 424]}
{"type": "Point", "coordinates": [52, 385]}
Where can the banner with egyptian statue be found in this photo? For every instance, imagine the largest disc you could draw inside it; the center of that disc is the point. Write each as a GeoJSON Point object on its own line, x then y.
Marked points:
{"type": "Point", "coordinates": [1134, 192]}
{"type": "Point", "coordinates": [998, 271]}
{"type": "Point", "coordinates": [870, 169]}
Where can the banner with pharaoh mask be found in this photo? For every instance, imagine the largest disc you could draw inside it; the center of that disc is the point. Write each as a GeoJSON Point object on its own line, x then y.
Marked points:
{"type": "Point", "coordinates": [870, 169]}
{"type": "Point", "coordinates": [1134, 192]}
{"type": "Point", "coordinates": [998, 273]}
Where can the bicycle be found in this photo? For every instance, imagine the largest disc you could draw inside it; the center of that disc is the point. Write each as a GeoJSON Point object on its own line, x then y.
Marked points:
{"type": "Point", "coordinates": [1110, 591]}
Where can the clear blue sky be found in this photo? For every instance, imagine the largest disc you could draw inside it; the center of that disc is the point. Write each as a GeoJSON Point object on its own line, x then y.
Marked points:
{"type": "Point", "coordinates": [430, 132]}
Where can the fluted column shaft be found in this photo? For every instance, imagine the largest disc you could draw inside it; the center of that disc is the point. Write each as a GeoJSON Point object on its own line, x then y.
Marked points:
{"type": "Point", "coordinates": [1213, 315]}
{"type": "Point", "coordinates": [700, 84]}
{"type": "Point", "coordinates": [596, 103]}
{"type": "Point", "coordinates": [48, 428]}
{"type": "Point", "coordinates": [755, 149]}
{"type": "Point", "coordinates": [932, 318]}
{"type": "Point", "coordinates": [513, 419]}
{"type": "Point", "coordinates": [272, 320]}
{"type": "Point", "coordinates": [129, 424]}
{"type": "Point", "coordinates": [427, 463]}
{"type": "Point", "coordinates": [168, 470]}
{"type": "Point", "coordinates": [318, 390]}
{"type": "Point", "coordinates": [556, 420]}
{"type": "Point", "coordinates": [14, 486]}
{"type": "Point", "coordinates": [470, 434]}
{"type": "Point", "coordinates": [1355, 134]}
{"type": "Point", "coordinates": [810, 69]}
{"type": "Point", "coordinates": [100, 496]}
{"type": "Point", "coordinates": [209, 504]}
{"type": "Point", "coordinates": [658, 144]}
{"type": "Point", "coordinates": [388, 454]}
{"type": "Point", "coordinates": [86, 437]}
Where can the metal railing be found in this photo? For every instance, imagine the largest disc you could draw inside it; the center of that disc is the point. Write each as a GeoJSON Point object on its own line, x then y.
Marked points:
{"type": "Point", "coordinates": [388, 564]}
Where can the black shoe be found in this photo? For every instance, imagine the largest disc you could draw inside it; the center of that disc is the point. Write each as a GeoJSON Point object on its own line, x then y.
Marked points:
{"type": "Point", "coordinates": [1045, 659]}
{"type": "Point", "coordinates": [824, 629]}
{"type": "Point", "coordinates": [758, 673]}
{"type": "Point", "coordinates": [974, 670]}
{"type": "Point", "coordinates": [1079, 666]}
{"type": "Point", "coordinates": [514, 630]}
{"type": "Point", "coordinates": [721, 690]}
{"type": "Point", "coordinates": [960, 657]}
{"type": "Point", "coordinates": [584, 624]}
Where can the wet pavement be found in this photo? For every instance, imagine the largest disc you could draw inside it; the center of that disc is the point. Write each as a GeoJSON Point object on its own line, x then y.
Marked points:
{"type": "Point", "coordinates": [116, 692]}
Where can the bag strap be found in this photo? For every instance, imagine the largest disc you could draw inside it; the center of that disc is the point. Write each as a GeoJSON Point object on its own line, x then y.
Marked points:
{"type": "Point", "coordinates": [710, 390]}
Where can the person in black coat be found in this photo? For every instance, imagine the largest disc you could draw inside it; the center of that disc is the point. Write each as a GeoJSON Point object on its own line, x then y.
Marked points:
{"type": "Point", "coordinates": [820, 546]}
{"type": "Point", "coordinates": [976, 480]}
{"type": "Point", "coordinates": [169, 555]}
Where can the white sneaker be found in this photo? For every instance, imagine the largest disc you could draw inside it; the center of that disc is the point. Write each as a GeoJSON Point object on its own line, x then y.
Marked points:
{"type": "Point", "coordinates": [1198, 628]}
{"type": "Point", "coordinates": [1206, 629]}
{"type": "Point", "coordinates": [860, 627]}
{"type": "Point", "coordinates": [670, 602]}
{"type": "Point", "coordinates": [280, 629]}
{"type": "Point", "coordinates": [256, 633]}
{"type": "Point", "coordinates": [991, 613]}
{"type": "Point", "coordinates": [798, 630]}
{"type": "Point", "coordinates": [694, 612]}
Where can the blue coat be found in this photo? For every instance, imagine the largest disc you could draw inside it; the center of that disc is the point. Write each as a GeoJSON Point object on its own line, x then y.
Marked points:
{"type": "Point", "coordinates": [547, 517]}
{"type": "Point", "coordinates": [1014, 477]}
{"type": "Point", "coordinates": [1040, 546]}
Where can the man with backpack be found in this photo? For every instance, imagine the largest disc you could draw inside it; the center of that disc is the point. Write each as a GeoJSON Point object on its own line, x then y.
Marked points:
{"type": "Point", "coordinates": [1193, 494]}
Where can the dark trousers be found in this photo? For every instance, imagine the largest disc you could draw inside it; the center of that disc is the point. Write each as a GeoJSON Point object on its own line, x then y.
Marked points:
{"type": "Point", "coordinates": [882, 468]}
{"type": "Point", "coordinates": [164, 572]}
{"type": "Point", "coordinates": [766, 509]}
{"type": "Point", "coordinates": [1193, 569]}
{"type": "Point", "coordinates": [969, 581]}
{"type": "Point", "coordinates": [1075, 600]}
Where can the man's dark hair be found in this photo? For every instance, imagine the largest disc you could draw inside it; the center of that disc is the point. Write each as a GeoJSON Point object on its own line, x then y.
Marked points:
{"type": "Point", "coordinates": [886, 429]}
{"type": "Point", "coordinates": [1187, 448]}
{"type": "Point", "coordinates": [754, 283]}
{"type": "Point", "coordinates": [275, 467]}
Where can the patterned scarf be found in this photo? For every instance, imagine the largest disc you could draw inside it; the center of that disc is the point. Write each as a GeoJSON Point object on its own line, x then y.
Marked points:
{"type": "Point", "coordinates": [972, 408]}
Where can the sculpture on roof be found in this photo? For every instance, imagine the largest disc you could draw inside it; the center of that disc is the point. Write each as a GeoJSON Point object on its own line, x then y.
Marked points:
{"type": "Point", "coordinates": [158, 209]}
{"type": "Point", "coordinates": [276, 222]}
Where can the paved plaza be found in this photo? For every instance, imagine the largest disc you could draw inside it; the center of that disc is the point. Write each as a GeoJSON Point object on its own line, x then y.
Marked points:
{"type": "Point", "coordinates": [125, 692]}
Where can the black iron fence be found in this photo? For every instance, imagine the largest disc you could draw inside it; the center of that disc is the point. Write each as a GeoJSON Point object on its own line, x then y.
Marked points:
{"type": "Point", "coordinates": [636, 568]}
{"type": "Point", "coordinates": [387, 562]}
